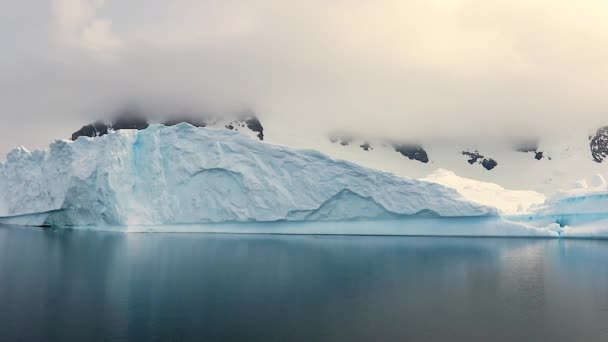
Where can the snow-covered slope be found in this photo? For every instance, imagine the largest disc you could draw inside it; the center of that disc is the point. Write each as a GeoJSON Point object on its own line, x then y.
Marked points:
{"type": "Point", "coordinates": [508, 202]}
{"type": "Point", "coordinates": [184, 174]}
{"type": "Point", "coordinates": [543, 165]}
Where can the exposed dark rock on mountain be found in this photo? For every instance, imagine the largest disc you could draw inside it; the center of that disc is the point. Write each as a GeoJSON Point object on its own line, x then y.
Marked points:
{"type": "Point", "coordinates": [95, 129]}
{"type": "Point", "coordinates": [343, 140]}
{"type": "Point", "coordinates": [124, 121]}
{"type": "Point", "coordinates": [346, 140]}
{"type": "Point", "coordinates": [489, 164]}
{"type": "Point", "coordinates": [473, 156]}
{"type": "Point", "coordinates": [413, 152]}
{"type": "Point", "coordinates": [531, 147]}
{"type": "Point", "coordinates": [538, 155]}
{"type": "Point", "coordinates": [131, 120]}
{"type": "Point", "coordinates": [476, 158]}
{"type": "Point", "coordinates": [366, 146]}
{"type": "Point", "coordinates": [599, 145]}
{"type": "Point", "coordinates": [255, 125]}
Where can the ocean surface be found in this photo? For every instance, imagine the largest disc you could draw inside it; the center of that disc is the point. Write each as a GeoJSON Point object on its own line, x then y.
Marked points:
{"type": "Point", "coordinates": [64, 285]}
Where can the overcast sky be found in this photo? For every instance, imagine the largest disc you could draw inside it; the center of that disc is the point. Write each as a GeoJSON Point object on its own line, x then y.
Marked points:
{"type": "Point", "coordinates": [395, 68]}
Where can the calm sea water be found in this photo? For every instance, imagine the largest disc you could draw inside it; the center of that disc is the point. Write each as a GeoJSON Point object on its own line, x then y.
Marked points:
{"type": "Point", "coordinates": [95, 286]}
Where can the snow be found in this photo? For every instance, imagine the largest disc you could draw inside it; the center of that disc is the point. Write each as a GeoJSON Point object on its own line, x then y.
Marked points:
{"type": "Point", "coordinates": [596, 230]}
{"type": "Point", "coordinates": [508, 202]}
{"type": "Point", "coordinates": [598, 181]}
{"type": "Point", "coordinates": [578, 212]}
{"type": "Point", "coordinates": [182, 178]}
{"type": "Point", "coordinates": [566, 156]}
{"type": "Point", "coordinates": [187, 175]}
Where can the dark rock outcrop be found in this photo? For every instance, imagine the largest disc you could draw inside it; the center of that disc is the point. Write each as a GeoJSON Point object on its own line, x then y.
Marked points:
{"type": "Point", "coordinates": [531, 147]}
{"type": "Point", "coordinates": [255, 125]}
{"type": "Point", "coordinates": [473, 156]}
{"type": "Point", "coordinates": [342, 140]}
{"type": "Point", "coordinates": [413, 152]}
{"type": "Point", "coordinates": [123, 121]}
{"type": "Point", "coordinates": [489, 164]}
{"type": "Point", "coordinates": [599, 145]}
{"type": "Point", "coordinates": [477, 158]}
{"type": "Point", "coordinates": [366, 146]}
{"type": "Point", "coordinates": [95, 129]}
{"type": "Point", "coordinates": [130, 120]}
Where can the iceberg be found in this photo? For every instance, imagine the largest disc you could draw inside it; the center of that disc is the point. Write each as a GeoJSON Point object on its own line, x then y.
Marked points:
{"type": "Point", "coordinates": [583, 199]}
{"type": "Point", "coordinates": [188, 175]}
{"type": "Point", "coordinates": [578, 212]}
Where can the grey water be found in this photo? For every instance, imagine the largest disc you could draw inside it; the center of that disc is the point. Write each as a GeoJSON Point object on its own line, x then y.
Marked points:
{"type": "Point", "coordinates": [63, 285]}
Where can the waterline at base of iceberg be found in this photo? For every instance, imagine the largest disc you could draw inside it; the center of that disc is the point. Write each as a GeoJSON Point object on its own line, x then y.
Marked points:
{"type": "Point", "coordinates": [458, 226]}
{"type": "Point", "coordinates": [580, 226]}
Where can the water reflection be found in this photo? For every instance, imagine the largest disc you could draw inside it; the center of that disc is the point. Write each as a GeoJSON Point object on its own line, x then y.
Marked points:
{"type": "Point", "coordinates": [74, 285]}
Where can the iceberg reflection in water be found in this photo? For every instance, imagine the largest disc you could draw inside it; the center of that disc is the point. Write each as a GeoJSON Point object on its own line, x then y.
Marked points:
{"type": "Point", "coordinates": [62, 285]}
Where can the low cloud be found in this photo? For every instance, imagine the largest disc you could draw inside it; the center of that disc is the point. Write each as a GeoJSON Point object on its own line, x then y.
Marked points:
{"type": "Point", "coordinates": [415, 69]}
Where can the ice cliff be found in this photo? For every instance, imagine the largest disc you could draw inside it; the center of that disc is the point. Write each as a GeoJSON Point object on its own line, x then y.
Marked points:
{"type": "Point", "coordinates": [184, 174]}
{"type": "Point", "coordinates": [584, 204]}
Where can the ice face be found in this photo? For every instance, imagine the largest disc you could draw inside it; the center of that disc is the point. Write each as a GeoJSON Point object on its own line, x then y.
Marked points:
{"type": "Point", "coordinates": [184, 174]}
{"type": "Point", "coordinates": [581, 211]}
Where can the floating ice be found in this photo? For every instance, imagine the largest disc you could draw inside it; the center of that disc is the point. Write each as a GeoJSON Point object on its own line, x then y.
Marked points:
{"type": "Point", "coordinates": [188, 175]}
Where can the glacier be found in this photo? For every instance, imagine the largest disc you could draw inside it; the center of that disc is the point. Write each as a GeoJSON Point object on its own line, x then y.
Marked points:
{"type": "Point", "coordinates": [183, 175]}
{"type": "Point", "coordinates": [581, 211]}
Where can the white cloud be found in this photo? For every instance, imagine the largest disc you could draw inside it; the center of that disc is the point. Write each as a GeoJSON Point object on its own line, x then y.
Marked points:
{"type": "Point", "coordinates": [98, 36]}
{"type": "Point", "coordinates": [397, 68]}
{"type": "Point", "coordinates": [78, 24]}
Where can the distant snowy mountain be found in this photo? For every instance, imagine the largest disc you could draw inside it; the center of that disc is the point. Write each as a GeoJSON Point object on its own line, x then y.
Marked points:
{"type": "Point", "coordinates": [543, 165]}
{"type": "Point", "coordinates": [183, 174]}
